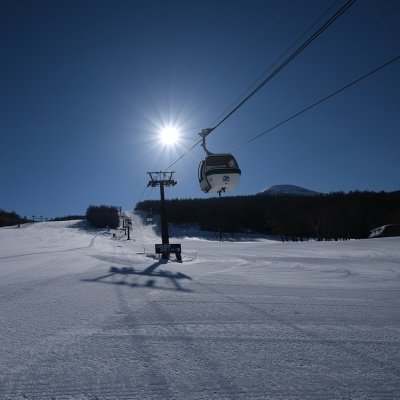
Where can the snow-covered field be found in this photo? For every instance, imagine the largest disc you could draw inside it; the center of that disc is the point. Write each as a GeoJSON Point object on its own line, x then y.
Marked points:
{"type": "Point", "coordinates": [83, 316]}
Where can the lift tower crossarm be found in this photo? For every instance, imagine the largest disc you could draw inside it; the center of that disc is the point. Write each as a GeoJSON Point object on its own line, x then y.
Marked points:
{"type": "Point", "coordinates": [161, 177]}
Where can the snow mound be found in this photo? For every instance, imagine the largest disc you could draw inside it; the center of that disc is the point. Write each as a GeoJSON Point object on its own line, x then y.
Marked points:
{"type": "Point", "coordinates": [390, 230]}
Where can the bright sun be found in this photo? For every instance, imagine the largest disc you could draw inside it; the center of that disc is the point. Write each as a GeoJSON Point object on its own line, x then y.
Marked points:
{"type": "Point", "coordinates": [169, 135]}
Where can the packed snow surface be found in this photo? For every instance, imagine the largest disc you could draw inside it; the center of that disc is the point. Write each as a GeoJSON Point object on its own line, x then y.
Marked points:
{"type": "Point", "coordinates": [85, 316]}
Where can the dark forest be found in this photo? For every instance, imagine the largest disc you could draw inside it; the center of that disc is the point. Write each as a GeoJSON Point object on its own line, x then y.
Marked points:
{"type": "Point", "coordinates": [334, 216]}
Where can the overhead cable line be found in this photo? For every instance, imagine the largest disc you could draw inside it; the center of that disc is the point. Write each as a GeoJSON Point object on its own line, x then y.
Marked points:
{"type": "Point", "coordinates": [142, 196]}
{"type": "Point", "coordinates": [144, 191]}
{"type": "Point", "coordinates": [183, 155]}
{"type": "Point", "coordinates": [321, 101]}
{"type": "Point", "coordinates": [277, 60]}
{"type": "Point", "coordinates": [324, 26]}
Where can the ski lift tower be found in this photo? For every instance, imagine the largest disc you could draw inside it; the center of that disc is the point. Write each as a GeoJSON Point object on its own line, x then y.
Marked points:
{"type": "Point", "coordinates": [162, 179]}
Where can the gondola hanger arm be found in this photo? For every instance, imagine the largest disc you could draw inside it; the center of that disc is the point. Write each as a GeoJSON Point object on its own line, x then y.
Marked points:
{"type": "Point", "coordinates": [204, 133]}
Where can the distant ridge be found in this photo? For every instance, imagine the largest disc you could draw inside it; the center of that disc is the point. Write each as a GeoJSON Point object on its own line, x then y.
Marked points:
{"type": "Point", "coordinates": [288, 190]}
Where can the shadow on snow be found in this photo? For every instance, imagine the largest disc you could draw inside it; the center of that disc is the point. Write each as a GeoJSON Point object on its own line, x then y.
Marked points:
{"type": "Point", "coordinates": [151, 272]}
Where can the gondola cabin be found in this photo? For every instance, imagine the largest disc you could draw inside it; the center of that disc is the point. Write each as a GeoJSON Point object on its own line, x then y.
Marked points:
{"type": "Point", "coordinates": [219, 173]}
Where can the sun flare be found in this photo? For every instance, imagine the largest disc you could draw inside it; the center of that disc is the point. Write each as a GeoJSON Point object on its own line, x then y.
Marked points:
{"type": "Point", "coordinates": [169, 135]}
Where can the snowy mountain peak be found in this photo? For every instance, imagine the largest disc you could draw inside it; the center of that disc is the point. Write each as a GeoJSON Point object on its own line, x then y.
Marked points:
{"type": "Point", "coordinates": [288, 190]}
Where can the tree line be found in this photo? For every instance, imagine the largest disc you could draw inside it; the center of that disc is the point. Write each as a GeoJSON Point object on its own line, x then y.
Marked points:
{"type": "Point", "coordinates": [9, 218]}
{"type": "Point", "coordinates": [103, 216]}
{"type": "Point", "coordinates": [333, 216]}
{"type": "Point", "coordinates": [69, 218]}
{"type": "Point", "coordinates": [98, 216]}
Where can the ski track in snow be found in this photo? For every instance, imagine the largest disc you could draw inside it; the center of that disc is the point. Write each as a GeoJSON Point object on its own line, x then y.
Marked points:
{"type": "Point", "coordinates": [83, 316]}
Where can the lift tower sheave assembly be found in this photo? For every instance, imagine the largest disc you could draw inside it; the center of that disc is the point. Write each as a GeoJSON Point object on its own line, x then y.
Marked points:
{"type": "Point", "coordinates": [162, 179]}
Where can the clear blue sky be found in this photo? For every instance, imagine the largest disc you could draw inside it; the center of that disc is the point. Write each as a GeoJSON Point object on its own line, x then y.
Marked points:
{"type": "Point", "coordinates": [85, 86]}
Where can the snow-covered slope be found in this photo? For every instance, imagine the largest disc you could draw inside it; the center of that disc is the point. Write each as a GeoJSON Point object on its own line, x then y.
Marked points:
{"type": "Point", "coordinates": [85, 316]}
{"type": "Point", "coordinates": [288, 190]}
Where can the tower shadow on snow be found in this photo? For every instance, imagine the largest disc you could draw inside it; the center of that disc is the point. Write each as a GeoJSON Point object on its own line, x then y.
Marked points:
{"type": "Point", "coordinates": [151, 272]}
